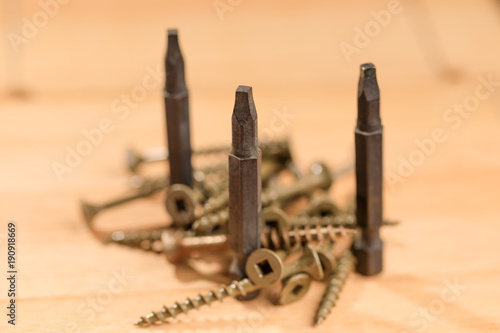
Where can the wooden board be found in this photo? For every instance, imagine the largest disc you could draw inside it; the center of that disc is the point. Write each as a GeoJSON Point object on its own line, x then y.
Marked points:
{"type": "Point", "coordinates": [441, 167]}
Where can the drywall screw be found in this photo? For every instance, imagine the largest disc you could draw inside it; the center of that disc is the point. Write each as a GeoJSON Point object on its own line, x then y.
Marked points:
{"type": "Point", "coordinates": [274, 239]}
{"type": "Point", "coordinates": [158, 154]}
{"type": "Point", "coordinates": [181, 201]}
{"type": "Point", "coordinates": [245, 181]}
{"type": "Point", "coordinates": [327, 259]}
{"type": "Point", "coordinates": [209, 222]}
{"type": "Point", "coordinates": [148, 188]}
{"type": "Point", "coordinates": [294, 288]}
{"type": "Point", "coordinates": [302, 221]}
{"type": "Point", "coordinates": [336, 282]}
{"type": "Point", "coordinates": [321, 206]}
{"type": "Point", "coordinates": [368, 142]}
{"type": "Point", "coordinates": [275, 150]}
{"type": "Point", "coordinates": [236, 288]}
{"type": "Point", "coordinates": [148, 240]}
{"type": "Point", "coordinates": [275, 217]}
{"type": "Point", "coordinates": [308, 263]}
{"type": "Point", "coordinates": [177, 114]}
{"type": "Point", "coordinates": [176, 245]}
{"type": "Point", "coordinates": [215, 203]}
{"type": "Point", "coordinates": [136, 159]}
{"type": "Point", "coordinates": [320, 178]}
{"type": "Point", "coordinates": [243, 288]}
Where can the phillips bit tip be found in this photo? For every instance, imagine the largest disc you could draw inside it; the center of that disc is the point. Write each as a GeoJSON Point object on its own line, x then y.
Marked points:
{"type": "Point", "coordinates": [244, 124]}
{"type": "Point", "coordinates": [174, 64]}
{"type": "Point", "coordinates": [368, 99]}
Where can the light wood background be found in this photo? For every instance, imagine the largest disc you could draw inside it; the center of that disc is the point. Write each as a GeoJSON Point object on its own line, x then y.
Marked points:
{"type": "Point", "coordinates": [65, 79]}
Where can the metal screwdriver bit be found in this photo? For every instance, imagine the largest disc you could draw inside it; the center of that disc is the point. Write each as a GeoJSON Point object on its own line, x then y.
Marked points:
{"type": "Point", "coordinates": [177, 114]}
{"type": "Point", "coordinates": [245, 183]}
{"type": "Point", "coordinates": [335, 284]}
{"type": "Point", "coordinates": [368, 142]}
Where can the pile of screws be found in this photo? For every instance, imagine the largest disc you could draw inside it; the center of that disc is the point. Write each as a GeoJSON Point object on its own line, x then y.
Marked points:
{"type": "Point", "coordinates": [245, 201]}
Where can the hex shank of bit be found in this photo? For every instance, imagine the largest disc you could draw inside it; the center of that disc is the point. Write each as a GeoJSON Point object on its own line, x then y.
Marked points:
{"type": "Point", "coordinates": [177, 114]}
{"type": "Point", "coordinates": [245, 183]}
{"type": "Point", "coordinates": [368, 142]}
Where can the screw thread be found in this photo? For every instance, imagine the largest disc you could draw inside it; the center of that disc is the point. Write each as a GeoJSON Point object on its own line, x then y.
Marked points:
{"type": "Point", "coordinates": [274, 238]}
{"type": "Point", "coordinates": [216, 202]}
{"type": "Point", "coordinates": [236, 288]}
{"type": "Point", "coordinates": [335, 285]}
{"type": "Point", "coordinates": [211, 221]}
{"type": "Point", "coordinates": [344, 220]}
{"type": "Point", "coordinates": [347, 220]}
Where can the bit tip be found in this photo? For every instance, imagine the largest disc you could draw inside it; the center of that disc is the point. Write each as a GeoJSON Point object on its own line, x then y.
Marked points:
{"type": "Point", "coordinates": [244, 107]}
{"type": "Point", "coordinates": [173, 37]}
{"type": "Point", "coordinates": [367, 71]}
{"type": "Point", "coordinates": [368, 99]}
{"type": "Point", "coordinates": [244, 124]}
{"type": "Point", "coordinates": [174, 64]}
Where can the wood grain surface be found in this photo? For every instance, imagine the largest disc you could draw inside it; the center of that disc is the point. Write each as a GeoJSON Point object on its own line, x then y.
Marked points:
{"type": "Point", "coordinates": [439, 76]}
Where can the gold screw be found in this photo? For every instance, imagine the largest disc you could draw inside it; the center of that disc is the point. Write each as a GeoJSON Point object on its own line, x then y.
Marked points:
{"type": "Point", "coordinates": [279, 149]}
{"type": "Point", "coordinates": [308, 263]}
{"type": "Point", "coordinates": [207, 223]}
{"type": "Point", "coordinates": [294, 288]}
{"type": "Point", "coordinates": [319, 178]}
{"type": "Point", "coordinates": [335, 284]}
{"type": "Point", "coordinates": [148, 240]}
{"type": "Point", "coordinates": [177, 244]}
{"type": "Point", "coordinates": [236, 288]}
{"type": "Point", "coordinates": [147, 189]}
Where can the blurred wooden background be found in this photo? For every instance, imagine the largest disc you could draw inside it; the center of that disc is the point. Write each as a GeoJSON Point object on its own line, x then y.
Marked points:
{"type": "Point", "coordinates": [70, 71]}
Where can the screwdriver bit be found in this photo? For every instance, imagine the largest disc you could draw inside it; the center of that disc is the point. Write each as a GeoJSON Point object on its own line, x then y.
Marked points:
{"type": "Point", "coordinates": [368, 142]}
{"type": "Point", "coordinates": [245, 183]}
{"type": "Point", "coordinates": [177, 114]}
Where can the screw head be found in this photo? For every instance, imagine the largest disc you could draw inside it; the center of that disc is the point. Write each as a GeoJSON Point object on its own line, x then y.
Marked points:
{"type": "Point", "coordinates": [264, 267]}
{"type": "Point", "coordinates": [180, 203]}
{"type": "Point", "coordinates": [311, 263]}
{"type": "Point", "coordinates": [323, 207]}
{"type": "Point", "coordinates": [294, 288]}
{"type": "Point", "coordinates": [327, 260]}
{"type": "Point", "coordinates": [274, 217]}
